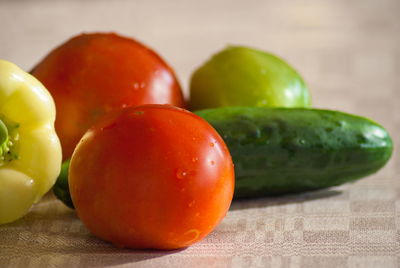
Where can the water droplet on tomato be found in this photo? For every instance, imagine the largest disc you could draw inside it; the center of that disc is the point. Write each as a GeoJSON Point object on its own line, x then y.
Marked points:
{"type": "Point", "coordinates": [212, 162]}
{"type": "Point", "coordinates": [191, 235]}
{"type": "Point", "coordinates": [212, 144]}
{"type": "Point", "coordinates": [191, 204]}
{"type": "Point", "coordinates": [181, 174]}
{"type": "Point", "coordinates": [194, 159]}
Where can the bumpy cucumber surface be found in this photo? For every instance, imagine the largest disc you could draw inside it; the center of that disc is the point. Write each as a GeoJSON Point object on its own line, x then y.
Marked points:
{"type": "Point", "coordinates": [280, 151]}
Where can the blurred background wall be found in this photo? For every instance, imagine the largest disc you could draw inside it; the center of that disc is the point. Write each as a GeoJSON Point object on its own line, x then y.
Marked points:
{"type": "Point", "coordinates": [347, 51]}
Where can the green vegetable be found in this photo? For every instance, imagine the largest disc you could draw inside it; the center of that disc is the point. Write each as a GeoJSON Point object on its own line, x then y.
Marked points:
{"type": "Point", "coordinates": [280, 151]}
{"type": "Point", "coordinates": [61, 188]}
{"type": "Point", "coordinates": [242, 76]}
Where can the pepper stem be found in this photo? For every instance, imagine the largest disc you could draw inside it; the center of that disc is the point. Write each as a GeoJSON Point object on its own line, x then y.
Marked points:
{"type": "Point", "coordinates": [3, 138]}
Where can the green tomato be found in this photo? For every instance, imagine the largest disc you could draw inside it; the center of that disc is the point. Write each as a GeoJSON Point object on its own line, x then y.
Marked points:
{"type": "Point", "coordinates": [242, 76]}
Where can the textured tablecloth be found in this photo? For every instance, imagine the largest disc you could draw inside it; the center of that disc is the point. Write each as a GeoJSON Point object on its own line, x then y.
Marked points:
{"type": "Point", "coordinates": [349, 54]}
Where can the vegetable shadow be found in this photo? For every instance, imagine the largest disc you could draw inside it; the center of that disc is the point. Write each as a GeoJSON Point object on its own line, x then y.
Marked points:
{"type": "Point", "coordinates": [126, 257]}
{"type": "Point", "coordinates": [52, 229]}
{"type": "Point", "coordinates": [239, 204]}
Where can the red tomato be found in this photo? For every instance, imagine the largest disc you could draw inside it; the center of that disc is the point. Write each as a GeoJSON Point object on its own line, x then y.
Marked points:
{"type": "Point", "coordinates": [93, 74]}
{"type": "Point", "coordinates": [152, 176]}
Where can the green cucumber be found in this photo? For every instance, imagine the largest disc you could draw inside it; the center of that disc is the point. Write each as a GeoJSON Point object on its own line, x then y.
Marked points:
{"type": "Point", "coordinates": [280, 151]}
{"type": "Point", "coordinates": [287, 150]}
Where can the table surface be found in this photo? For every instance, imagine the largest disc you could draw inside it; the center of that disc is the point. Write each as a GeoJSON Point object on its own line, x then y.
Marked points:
{"type": "Point", "coordinates": [349, 54]}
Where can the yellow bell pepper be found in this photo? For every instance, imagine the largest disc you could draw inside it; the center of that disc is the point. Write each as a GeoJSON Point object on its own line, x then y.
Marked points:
{"type": "Point", "coordinates": [30, 151]}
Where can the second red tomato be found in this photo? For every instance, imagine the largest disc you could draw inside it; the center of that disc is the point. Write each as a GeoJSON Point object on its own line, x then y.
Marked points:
{"type": "Point", "coordinates": [93, 74]}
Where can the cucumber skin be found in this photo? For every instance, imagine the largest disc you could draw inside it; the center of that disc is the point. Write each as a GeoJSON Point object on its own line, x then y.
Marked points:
{"type": "Point", "coordinates": [279, 151]}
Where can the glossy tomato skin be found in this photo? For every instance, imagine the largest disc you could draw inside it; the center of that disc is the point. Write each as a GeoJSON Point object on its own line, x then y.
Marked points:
{"type": "Point", "coordinates": [92, 74]}
{"type": "Point", "coordinates": [153, 176]}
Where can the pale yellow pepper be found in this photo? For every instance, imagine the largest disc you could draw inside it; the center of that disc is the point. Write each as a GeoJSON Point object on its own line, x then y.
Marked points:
{"type": "Point", "coordinates": [30, 152]}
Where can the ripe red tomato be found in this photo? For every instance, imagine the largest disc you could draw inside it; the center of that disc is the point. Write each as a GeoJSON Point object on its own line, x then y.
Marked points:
{"type": "Point", "coordinates": [152, 176]}
{"type": "Point", "coordinates": [93, 74]}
